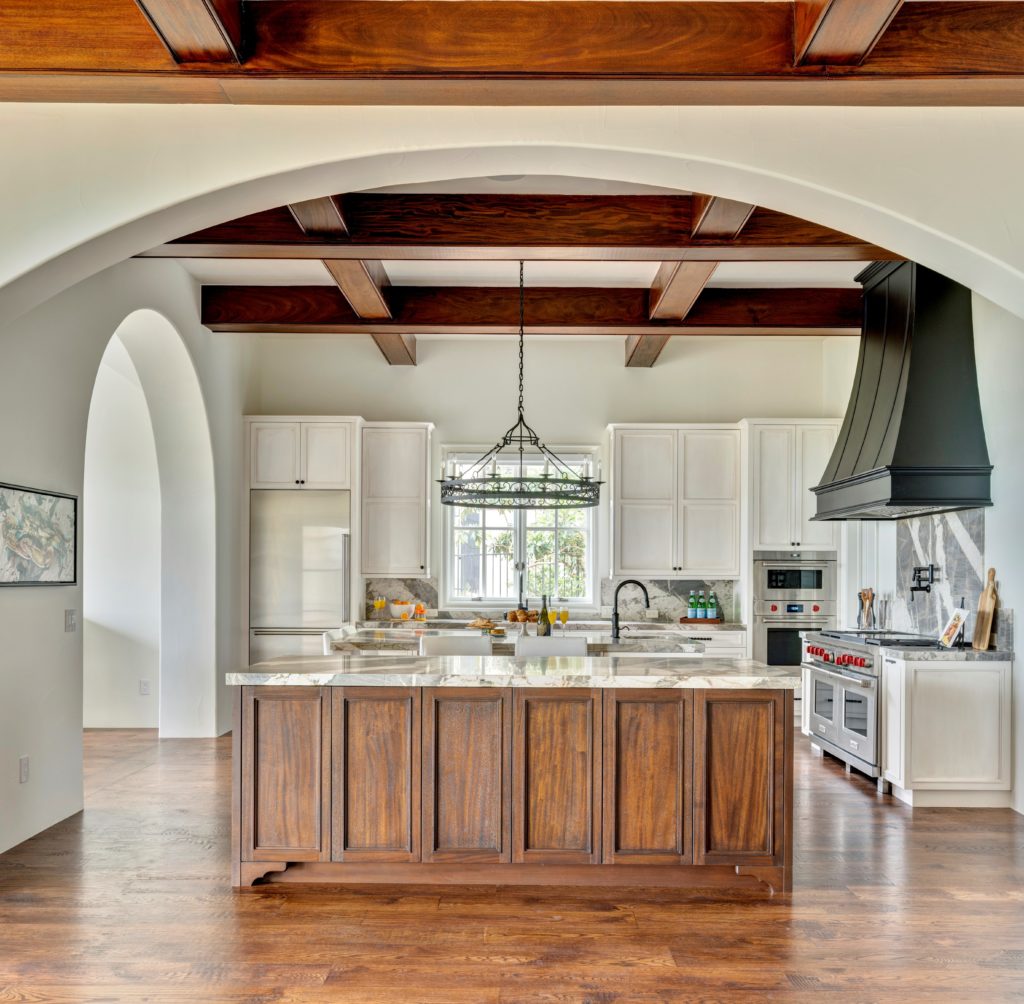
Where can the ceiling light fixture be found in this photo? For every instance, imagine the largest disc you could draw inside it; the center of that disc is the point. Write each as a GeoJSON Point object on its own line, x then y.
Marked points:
{"type": "Point", "coordinates": [483, 486]}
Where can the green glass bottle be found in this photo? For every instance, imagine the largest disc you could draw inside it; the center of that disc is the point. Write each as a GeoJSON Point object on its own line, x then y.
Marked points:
{"type": "Point", "coordinates": [543, 624]}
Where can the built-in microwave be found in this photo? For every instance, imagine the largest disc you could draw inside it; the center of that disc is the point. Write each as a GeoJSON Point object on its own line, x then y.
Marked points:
{"type": "Point", "coordinates": [794, 576]}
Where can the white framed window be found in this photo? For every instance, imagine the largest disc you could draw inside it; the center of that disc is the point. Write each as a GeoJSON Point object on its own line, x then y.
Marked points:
{"type": "Point", "coordinates": [484, 546]}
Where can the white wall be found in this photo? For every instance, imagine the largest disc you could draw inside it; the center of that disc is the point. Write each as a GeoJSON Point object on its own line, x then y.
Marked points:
{"type": "Point", "coordinates": [999, 348]}
{"type": "Point", "coordinates": [50, 359]}
{"type": "Point", "coordinates": [148, 173]}
{"type": "Point", "coordinates": [121, 551]}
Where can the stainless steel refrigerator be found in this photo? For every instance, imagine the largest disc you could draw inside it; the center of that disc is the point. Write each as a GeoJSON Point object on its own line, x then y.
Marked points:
{"type": "Point", "coordinates": [299, 571]}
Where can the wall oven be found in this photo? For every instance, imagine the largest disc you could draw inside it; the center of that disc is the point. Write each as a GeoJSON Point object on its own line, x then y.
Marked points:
{"type": "Point", "coordinates": [793, 593]}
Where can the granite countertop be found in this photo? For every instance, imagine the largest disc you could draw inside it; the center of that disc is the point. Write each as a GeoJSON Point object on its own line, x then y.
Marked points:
{"type": "Point", "coordinates": [406, 639]}
{"type": "Point", "coordinates": [649, 672]}
{"type": "Point", "coordinates": [916, 654]}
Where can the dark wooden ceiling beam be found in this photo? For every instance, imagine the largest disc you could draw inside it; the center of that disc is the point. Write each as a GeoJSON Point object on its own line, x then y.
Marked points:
{"type": "Point", "coordinates": [495, 310]}
{"type": "Point", "coordinates": [839, 32]}
{"type": "Point", "coordinates": [362, 283]}
{"type": "Point", "coordinates": [396, 348]}
{"type": "Point", "coordinates": [493, 227]}
{"type": "Point", "coordinates": [587, 52]}
{"type": "Point", "coordinates": [714, 218]}
{"type": "Point", "coordinates": [198, 31]}
{"type": "Point", "coordinates": [320, 217]}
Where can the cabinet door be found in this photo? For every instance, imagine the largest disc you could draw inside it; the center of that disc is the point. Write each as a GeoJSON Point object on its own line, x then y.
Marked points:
{"type": "Point", "coordinates": [774, 458]}
{"type": "Point", "coordinates": [556, 754]}
{"type": "Point", "coordinates": [708, 531]}
{"type": "Point", "coordinates": [395, 501]}
{"type": "Point", "coordinates": [648, 769]}
{"type": "Point", "coordinates": [327, 454]}
{"type": "Point", "coordinates": [376, 774]}
{"type": "Point", "coordinates": [814, 445]}
{"type": "Point", "coordinates": [274, 455]}
{"type": "Point", "coordinates": [740, 776]}
{"type": "Point", "coordinates": [645, 502]}
{"type": "Point", "coordinates": [467, 797]}
{"type": "Point", "coordinates": [285, 774]}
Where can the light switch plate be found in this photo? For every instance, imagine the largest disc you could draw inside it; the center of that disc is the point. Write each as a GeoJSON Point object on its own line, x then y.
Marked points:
{"type": "Point", "coordinates": [70, 621]}
{"type": "Point", "coordinates": [143, 688]}
{"type": "Point", "coordinates": [22, 769]}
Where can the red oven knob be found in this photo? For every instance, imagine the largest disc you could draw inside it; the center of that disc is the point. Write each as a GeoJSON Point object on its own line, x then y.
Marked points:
{"type": "Point", "coordinates": [816, 608]}
{"type": "Point", "coordinates": [842, 660]}
{"type": "Point", "coordinates": [862, 662]}
{"type": "Point", "coordinates": [774, 607]}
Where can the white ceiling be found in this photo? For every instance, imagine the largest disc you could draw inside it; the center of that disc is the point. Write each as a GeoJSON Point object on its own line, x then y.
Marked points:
{"type": "Point", "coordinates": [280, 272]}
{"type": "Point", "coordinates": [529, 184]}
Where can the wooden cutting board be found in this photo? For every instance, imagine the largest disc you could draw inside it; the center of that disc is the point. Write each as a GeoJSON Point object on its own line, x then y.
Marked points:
{"type": "Point", "coordinates": [986, 611]}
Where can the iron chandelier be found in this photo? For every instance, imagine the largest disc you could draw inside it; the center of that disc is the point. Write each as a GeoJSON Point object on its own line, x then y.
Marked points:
{"type": "Point", "coordinates": [558, 488]}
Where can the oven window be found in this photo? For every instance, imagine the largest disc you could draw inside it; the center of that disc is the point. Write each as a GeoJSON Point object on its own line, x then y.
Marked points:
{"type": "Point", "coordinates": [794, 578]}
{"type": "Point", "coordinates": [855, 712]}
{"type": "Point", "coordinates": [784, 647]}
{"type": "Point", "coordinates": [824, 699]}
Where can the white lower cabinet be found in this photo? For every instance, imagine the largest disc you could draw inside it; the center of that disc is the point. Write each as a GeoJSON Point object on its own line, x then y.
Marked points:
{"type": "Point", "coordinates": [718, 644]}
{"type": "Point", "coordinates": [946, 731]}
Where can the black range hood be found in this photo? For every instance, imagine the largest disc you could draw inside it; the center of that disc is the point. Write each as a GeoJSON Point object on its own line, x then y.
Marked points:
{"type": "Point", "coordinates": [913, 441]}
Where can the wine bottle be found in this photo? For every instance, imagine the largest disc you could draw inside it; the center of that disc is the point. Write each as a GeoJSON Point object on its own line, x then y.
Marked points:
{"type": "Point", "coordinates": [543, 624]}
{"type": "Point", "coordinates": [691, 606]}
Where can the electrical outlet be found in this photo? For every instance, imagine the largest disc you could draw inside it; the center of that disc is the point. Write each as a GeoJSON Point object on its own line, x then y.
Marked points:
{"type": "Point", "coordinates": [143, 688]}
{"type": "Point", "coordinates": [70, 621]}
{"type": "Point", "coordinates": [22, 769]}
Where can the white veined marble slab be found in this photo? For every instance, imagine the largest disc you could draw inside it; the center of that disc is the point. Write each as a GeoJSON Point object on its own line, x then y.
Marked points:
{"type": "Point", "coordinates": [652, 672]}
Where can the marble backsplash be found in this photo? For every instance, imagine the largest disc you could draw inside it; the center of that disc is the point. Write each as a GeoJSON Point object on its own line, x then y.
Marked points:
{"type": "Point", "coordinates": [955, 543]}
{"type": "Point", "coordinates": [668, 596]}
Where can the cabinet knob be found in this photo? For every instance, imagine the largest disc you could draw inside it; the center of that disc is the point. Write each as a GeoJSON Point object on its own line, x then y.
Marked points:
{"type": "Point", "coordinates": [297, 481]}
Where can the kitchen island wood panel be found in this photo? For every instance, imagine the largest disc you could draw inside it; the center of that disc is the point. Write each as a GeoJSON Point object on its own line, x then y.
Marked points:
{"type": "Point", "coordinates": [285, 800]}
{"type": "Point", "coordinates": [648, 771]}
{"type": "Point", "coordinates": [556, 777]}
{"type": "Point", "coordinates": [467, 774]}
{"type": "Point", "coordinates": [375, 755]}
{"type": "Point", "coordinates": [566, 784]}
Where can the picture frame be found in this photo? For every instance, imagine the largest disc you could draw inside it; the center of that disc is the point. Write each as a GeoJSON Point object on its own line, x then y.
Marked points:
{"type": "Point", "coordinates": [38, 537]}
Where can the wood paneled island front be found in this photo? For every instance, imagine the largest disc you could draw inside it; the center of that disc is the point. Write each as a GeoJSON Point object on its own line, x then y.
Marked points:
{"type": "Point", "coordinates": [653, 771]}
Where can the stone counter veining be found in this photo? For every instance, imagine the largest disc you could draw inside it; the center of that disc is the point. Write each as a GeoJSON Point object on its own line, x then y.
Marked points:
{"type": "Point", "coordinates": [945, 654]}
{"type": "Point", "coordinates": [653, 672]}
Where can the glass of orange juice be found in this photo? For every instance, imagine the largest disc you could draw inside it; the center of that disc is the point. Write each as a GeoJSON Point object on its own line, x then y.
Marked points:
{"type": "Point", "coordinates": [563, 616]}
{"type": "Point", "coordinates": [552, 617]}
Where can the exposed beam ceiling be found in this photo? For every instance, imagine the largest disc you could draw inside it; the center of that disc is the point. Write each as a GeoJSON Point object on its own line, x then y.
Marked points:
{"type": "Point", "coordinates": [595, 52]}
{"type": "Point", "coordinates": [320, 217]}
{"type": "Point", "coordinates": [840, 32]}
{"type": "Point", "coordinates": [197, 31]}
{"type": "Point", "coordinates": [580, 227]}
{"type": "Point", "coordinates": [495, 310]}
{"type": "Point", "coordinates": [678, 284]}
{"type": "Point", "coordinates": [362, 283]}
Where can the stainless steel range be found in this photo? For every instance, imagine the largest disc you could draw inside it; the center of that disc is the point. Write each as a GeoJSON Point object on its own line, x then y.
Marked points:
{"type": "Point", "coordinates": [841, 688]}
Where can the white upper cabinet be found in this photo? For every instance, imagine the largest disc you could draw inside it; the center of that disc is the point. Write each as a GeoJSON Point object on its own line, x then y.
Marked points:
{"type": "Point", "coordinates": [327, 454]}
{"type": "Point", "coordinates": [676, 492]}
{"type": "Point", "coordinates": [396, 499]}
{"type": "Point", "coordinates": [296, 454]}
{"type": "Point", "coordinates": [274, 456]}
{"type": "Point", "coordinates": [787, 461]}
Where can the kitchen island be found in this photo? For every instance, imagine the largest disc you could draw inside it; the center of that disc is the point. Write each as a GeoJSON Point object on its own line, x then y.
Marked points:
{"type": "Point", "coordinates": [652, 771]}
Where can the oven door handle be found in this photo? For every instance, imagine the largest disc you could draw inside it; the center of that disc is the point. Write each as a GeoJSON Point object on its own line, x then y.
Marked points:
{"type": "Point", "coordinates": [865, 684]}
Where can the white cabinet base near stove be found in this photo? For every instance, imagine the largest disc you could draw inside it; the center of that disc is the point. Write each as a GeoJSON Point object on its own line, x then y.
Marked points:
{"type": "Point", "coordinates": [945, 730]}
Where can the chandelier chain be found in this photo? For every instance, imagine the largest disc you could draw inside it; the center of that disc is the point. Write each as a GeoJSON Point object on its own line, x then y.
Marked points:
{"type": "Point", "coordinates": [522, 327]}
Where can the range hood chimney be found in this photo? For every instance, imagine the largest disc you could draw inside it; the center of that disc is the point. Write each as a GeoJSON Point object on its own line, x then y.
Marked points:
{"type": "Point", "coordinates": [913, 441]}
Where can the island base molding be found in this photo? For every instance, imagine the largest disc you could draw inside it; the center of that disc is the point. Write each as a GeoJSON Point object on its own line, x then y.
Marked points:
{"type": "Point", "coordinates": [657, 877]}
{"type": "Point", "coordinates": [671, 788]}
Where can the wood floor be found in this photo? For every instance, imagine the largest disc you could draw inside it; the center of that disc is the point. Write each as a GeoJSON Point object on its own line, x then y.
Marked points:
{"type": "Point", "coordinates": [129, 901]}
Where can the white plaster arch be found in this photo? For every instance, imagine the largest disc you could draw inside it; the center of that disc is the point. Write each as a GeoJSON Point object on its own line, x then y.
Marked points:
{"type": "Point", "coordinates": [886, 175]}
{"type": "Point", "coordinates": [188, 601]}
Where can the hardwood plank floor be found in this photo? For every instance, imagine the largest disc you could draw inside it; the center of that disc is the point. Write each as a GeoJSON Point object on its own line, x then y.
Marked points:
{"type": "Point", "coordinates": [130, 901]}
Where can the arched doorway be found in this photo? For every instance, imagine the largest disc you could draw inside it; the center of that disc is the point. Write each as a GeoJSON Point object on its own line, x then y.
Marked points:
{"type": "Point", "coordinates": [149, 579]}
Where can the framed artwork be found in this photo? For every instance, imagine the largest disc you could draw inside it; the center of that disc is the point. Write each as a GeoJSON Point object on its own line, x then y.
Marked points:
{"type": "Point", "coordinates": [38, 537]}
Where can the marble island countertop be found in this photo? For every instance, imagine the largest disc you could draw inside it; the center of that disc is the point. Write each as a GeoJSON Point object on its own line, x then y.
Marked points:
{"type": "Point", "coordinates": [594, 624]}
{"type": "Point", "coordinates": [406, 639]}
{"type": "Point", "coordinates": [918, 654]}
{"type": "Point", "coordinates": [653, 672]}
